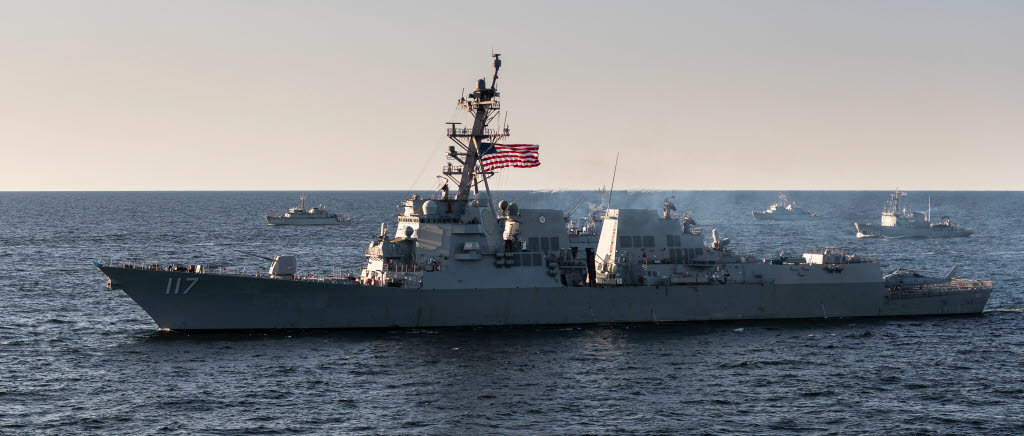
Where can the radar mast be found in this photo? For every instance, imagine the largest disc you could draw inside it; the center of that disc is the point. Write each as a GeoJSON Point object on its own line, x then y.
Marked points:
{"type": "Point", "coordinates": [484, 106]}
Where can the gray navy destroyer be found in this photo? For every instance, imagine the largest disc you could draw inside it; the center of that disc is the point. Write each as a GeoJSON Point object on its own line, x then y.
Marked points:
{"type": "Point", "coordinates": [461, 259]}
{"type": "Point", "coordinates": [898, 222]}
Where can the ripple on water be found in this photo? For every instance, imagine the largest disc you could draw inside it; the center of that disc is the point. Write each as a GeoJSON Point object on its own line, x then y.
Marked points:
{"type": "Point", "coordinates": [80, 358]}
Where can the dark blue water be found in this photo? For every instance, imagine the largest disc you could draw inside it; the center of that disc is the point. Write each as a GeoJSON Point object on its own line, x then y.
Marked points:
{"type": "Point", "coordinates": [77, 358]}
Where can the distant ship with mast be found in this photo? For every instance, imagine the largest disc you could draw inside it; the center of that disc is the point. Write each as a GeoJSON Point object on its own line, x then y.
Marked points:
{"type": "Point", "coordinates": [299, 216]}
{"type": "Point", "coordinates": [898, 222]}
{"type": "Point", "coordinates": [783, 210]}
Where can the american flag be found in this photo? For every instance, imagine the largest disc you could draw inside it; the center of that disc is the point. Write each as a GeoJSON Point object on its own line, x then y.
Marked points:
{"type": "Point", "coordinates": [494, 156]}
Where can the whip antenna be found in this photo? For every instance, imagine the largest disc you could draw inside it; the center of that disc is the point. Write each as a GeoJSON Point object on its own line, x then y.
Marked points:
{"type": "Point", "coordinates": [614, 171]}
{"type": "Point", "coordinates": [255, 255]}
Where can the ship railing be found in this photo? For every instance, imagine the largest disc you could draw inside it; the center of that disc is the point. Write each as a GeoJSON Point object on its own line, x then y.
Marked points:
{"type": "Point", "coordinates": [174, 267]}
{"type": "Point", "coordinates": [213, 270]}
{"type": "Point", "coordinates": [839, 251]}
{"type": "Point", "coordinates": [825, 250]}
{"type": "Point", "coordinates": [968, 285]}
{"type": "Point", "coordinates": [451, 169]}
{"type": "Point", "coordinates": [467, 131]}
{"type": "Point", "coordinates": [951, 287]}
{"type": "Point", "coordinates": [403, 268]}
{"type": "Point", "coordinates": [260, 273]}
{"type": "Point", "coordinates": [457, 169]}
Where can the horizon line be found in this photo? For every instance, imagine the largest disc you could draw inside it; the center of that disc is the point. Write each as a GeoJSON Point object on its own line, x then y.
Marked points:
{"type": "Point", "coordinates": [502, 190]}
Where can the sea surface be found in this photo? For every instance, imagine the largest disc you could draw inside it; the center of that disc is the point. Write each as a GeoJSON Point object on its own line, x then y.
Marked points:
{"type": "Point", "coordinates": [78, 358]}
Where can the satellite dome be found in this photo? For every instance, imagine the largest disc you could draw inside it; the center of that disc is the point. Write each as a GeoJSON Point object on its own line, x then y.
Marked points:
{"type": "Point", "coordinates": [503, 205]}
{"type": "Point", "coordinates": [408, 232]}
{"type": "Point", "coordinates": [513, 209]}
{"type": "Point", "coordinates": [430, 207]}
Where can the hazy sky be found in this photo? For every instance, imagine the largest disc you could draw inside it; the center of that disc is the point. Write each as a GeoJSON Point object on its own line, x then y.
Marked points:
{"type": "Point", "coordinates": [303, 95]}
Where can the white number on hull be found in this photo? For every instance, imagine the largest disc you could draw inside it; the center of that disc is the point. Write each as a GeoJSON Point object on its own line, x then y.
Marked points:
{"type": "Point", "coordinates": [176, 284]}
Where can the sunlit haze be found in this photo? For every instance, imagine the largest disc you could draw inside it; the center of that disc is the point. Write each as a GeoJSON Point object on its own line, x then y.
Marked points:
{"type": "Point", "coordinates": [247, 95]}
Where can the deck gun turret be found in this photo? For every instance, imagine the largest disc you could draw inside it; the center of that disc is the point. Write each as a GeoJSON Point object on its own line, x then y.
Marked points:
{"type": "Point", "coordinates": [280, 266]}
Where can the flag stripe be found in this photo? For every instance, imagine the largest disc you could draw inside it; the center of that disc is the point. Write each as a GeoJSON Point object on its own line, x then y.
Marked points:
{"type": "Point", "coordinates": [494, 156]}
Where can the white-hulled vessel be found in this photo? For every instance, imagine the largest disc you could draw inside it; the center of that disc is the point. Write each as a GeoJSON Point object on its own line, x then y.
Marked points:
{"type": "Point", "coordinates": [897, 222]}
{"type": "Point", "coordinates": [299, 216]}
{"type": "Point", "coordinates": [783, 210]}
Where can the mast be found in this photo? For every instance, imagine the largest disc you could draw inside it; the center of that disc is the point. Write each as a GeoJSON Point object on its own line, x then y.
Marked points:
{"type": "Point", "coordinates": [615, 170]}
{"type": "Point", "coordinates": [484, 106]}
{"type": "Point", "coordinates": [896, 201]}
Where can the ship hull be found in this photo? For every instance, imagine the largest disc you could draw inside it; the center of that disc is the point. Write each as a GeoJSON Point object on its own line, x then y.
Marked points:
{"type": "Point", "coordinates": [764, 216]}
{"type": "Point", "coordinates": [868, 230]}
{"type": "Point", "coordinates": [191, 301]}
{"type": "Point", "coordinates": [275, 221]}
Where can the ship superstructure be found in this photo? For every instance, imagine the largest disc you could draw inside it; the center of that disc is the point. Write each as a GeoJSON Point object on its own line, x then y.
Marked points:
{"type": "Point", "coordinates": [457, 258]}
{"type": "Point", "coordinates": [899, 222]}
{"type": "Point", "coordinates": [585, 231]}
{"type": "Point", "coordinates": [463, 234]}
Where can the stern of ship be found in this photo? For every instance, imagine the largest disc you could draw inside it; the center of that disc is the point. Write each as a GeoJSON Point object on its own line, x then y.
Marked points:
{"type": "Point", "coordinates": [955, 297]}
{"type": "Point", "coordinates": [865, 230]}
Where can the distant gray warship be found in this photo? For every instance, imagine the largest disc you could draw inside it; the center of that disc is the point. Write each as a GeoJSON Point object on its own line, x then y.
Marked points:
{"type": "Point", "coordinates": [461, 260]}
{"type": "Point", "coordinates": [299, 216]}
{"type": "Point", "coordinates": [783, 210]}
{"type": "Point", "coordinates": [897, 222]}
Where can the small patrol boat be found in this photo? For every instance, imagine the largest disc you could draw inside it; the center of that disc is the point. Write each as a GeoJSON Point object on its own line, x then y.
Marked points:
{"type": "Point", "coordinates": [299, 216]}
{"type": "Point", "coordinates": [783, 210]}
{"type": "Point", "coordinates": [898, 222]}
